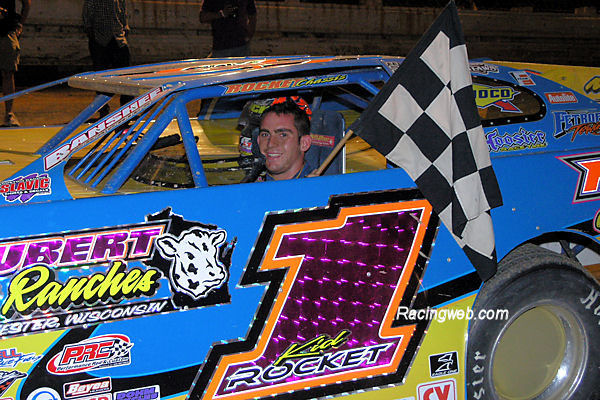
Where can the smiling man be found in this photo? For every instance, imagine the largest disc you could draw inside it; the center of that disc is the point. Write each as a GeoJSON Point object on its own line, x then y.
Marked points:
{"type": "Point", "coordinates": [284, 137]}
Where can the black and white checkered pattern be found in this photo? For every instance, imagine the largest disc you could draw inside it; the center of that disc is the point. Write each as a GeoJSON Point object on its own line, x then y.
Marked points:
{"type": "Point", "coordinates": [120, 348]}
{"type": "Point", "coordinates": [425, 120]}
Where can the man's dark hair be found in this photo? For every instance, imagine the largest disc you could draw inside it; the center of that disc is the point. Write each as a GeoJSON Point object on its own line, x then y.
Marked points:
{"type": "Point", "coordinates": [301, 120]}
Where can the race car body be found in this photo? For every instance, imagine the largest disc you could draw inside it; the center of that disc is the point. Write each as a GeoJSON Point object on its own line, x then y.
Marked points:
{"type": "Point", "coordinates": [135, 264]}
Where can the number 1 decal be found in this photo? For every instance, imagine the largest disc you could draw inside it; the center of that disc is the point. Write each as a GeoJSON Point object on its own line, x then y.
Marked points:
{"type": "Point", "coordinates": [326, 323]}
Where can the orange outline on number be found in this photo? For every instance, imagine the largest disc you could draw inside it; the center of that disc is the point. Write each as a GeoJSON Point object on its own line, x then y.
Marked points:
{"type": "Point", "coordinates": [293, 264]}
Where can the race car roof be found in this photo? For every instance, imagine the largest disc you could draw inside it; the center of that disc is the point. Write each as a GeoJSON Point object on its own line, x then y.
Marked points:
{"type": "Point", "coordinates": [194, 73]}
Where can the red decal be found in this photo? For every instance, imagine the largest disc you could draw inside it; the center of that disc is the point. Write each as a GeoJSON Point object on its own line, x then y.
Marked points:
{"type": "Point", "coordinates": [260, 86]}
{"type": "Point", "coordinates": [561, 97]}
{"type": "Point", "coordinates": [591, 128]}
{"type": "Point", "coordinates": [91, 354]}
{"type": "Point", "coordinates": [322, 140]}
{"type": "Point", "coordinates": [440, 390]}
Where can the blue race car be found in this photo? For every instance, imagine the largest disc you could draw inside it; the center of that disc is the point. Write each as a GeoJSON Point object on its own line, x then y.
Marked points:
{"type": "Point", "coordinates": [140, 261]}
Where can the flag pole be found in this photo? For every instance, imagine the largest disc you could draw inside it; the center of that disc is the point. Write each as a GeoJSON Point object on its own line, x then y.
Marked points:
{"type": "Point", "coordinates": [333, 153]}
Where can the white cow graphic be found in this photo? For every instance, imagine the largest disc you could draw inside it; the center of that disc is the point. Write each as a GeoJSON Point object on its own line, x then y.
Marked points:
{"type": "Point", "coordinates": [196, 269]}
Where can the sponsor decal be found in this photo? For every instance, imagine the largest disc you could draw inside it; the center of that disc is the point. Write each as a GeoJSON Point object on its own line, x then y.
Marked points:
{"type": "Point", "coordinates": [283, 84]}
{"type": "Point", "coordinates": [322, 140]}
{"type": "Point", "coordinates": [561, 97]}
{"type": "Point", "coordinates": [260, 86]}
{"type": "Point", "coordinates": [102, 127]}
{"type": "Point", "coordinates": [196, 269]}
{"type": "Point", "coordinates": [103, 396]}
{"type": "Point", "coordinates": [8, 378]}
{"type": "Point", "coordinates": [443, 364]}
{"type": "Point", "coordinates": [10, 358]}
{"type": "Point", "coordinates": [593, 85]}
{"type": "Point", "coordinates": [439, 390]}
{"type": "Point", "coordinates": [523, 78]}
{"type": "Point", "coordinates": [576, 122]}
{"type": "Point", "coordinates": [219, 66]}
{"type": "Point", "coordinates": [44, 393]}
{"type": "Point", "coordinates": [258, 107]}
{"type": "Point", "coordinates": [64, 250]}
{"type": "Point", "coordinates": [24, 188]}
{"type": "Point", "coordinates": [596, 222]}
{"type": "Point", "coordinates": [321, 80]}
{"type": "Point", "coordinates": [498, 96]}
{"type": "Point", "coordinates": [196, 258]}
{"type": "Point", "coordinates": [106, 351]}
{"type": "Point", "coordinates": [245, 146]}
{"type": "Point", "coordinates": [318, 333]}
{"type": "Point", "coordinates": [37, 288]}
{"type": "Point", "coordinates": [121, 263]}
{"type": "Point", "coordinates": [212, 67]}
{"type": "Point", "coordinates": [143, 393]}
{"type": "Point", "coordinates": [483, 68]}
{"type": "Point", "coordinates": [87, 388]}
{"type": "Point", "coordinates": [521, 140]}
{"type": "Point", "coordinates": [315, 357]}
{"type": "Point", "coordinates": [588, 169]}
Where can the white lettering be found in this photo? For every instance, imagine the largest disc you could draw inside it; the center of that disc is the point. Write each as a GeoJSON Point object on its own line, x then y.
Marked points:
{"type": "Point", "coordinates": [590, 299]}
{"type": "Point", "coordinates": [57, 156]}
{"type": "Point", "coordinates": [60, 154]}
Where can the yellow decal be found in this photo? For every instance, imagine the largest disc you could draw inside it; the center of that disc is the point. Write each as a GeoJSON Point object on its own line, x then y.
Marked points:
{"type": "Point", "coordinates": [593, 85]}
{"type": "Point", "coordinates": [486, 96]}
{"type": "Point", "coordinates": [36, 287]}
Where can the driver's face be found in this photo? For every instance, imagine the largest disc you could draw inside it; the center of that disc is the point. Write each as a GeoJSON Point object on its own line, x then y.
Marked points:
{"type": "Point", "coordinates": [279, 142]}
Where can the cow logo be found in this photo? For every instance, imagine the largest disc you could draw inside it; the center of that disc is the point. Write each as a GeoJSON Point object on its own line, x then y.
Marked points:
{"type": "Point", "coordinates": [196, 258]}
{"type": "Point", "coordinates": [8, 378]}
{"type": "Point", "coordinates": [196, 269]}
{"type": "Point", "coordinates": [439, 390]}
{"type": "Point", "coordinates": [443, 364]}
{"type": "Point", "coordinates": [24, 188]}
{"type": "Point", "coordinates": [95, 353]}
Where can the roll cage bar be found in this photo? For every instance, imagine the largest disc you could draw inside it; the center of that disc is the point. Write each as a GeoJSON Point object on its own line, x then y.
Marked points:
{"type": "Point", "coordinates": [124, 137]}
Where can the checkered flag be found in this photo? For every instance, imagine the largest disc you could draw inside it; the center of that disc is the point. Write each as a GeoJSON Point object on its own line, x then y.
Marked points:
{"type": "Point", "coordinates": [8, 378]}
{"type": "Point", "coordinates": [425, 120]}
{"type": "Point", "coordinates": [120, 348]}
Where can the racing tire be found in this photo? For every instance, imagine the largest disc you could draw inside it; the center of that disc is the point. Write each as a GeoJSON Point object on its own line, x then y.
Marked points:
{"type": "Point", "coordinates": [548, 346]}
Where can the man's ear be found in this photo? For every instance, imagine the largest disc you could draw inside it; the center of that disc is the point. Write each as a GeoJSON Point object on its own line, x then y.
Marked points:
{"type": "Point", "coordinates": [305, 142]}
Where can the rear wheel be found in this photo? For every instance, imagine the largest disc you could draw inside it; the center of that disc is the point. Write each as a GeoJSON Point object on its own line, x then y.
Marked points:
{"type": "Point", "coordinates": [548, 347]}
